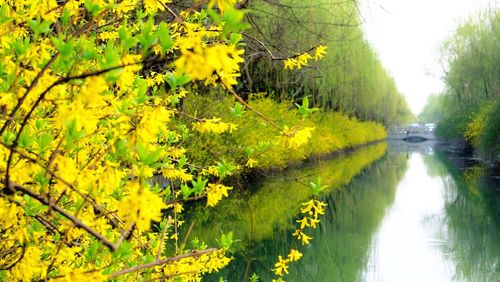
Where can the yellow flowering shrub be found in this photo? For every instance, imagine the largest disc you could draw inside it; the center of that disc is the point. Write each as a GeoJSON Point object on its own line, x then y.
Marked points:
{"type": "Point", "coordinates": [93, 171]}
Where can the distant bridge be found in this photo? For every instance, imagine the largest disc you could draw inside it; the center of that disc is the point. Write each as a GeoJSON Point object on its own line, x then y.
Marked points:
{"type": "Point", "coordinates": [413, 133]}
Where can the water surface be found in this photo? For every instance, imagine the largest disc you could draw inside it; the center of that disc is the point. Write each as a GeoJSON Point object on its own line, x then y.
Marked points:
{"type": "Point", "coordinates": [398, 213]}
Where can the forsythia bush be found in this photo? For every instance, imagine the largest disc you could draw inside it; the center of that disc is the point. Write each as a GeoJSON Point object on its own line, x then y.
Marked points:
{"type": "Point", "coordinates": [87, 90]}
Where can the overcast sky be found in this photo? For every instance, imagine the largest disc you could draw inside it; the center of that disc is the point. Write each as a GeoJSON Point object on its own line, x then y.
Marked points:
{"type": "Point", "coordinates": [407, 35]}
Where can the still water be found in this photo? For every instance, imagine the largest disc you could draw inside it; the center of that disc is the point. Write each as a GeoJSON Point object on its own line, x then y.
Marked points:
{"type": "Point", "coordinates": [396, 212]}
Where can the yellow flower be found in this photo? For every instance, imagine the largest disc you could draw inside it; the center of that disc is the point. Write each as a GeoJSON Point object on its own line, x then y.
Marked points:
{"type": "Point", "coordinates": [314, 207]}
{"type": "Point", "coordinates": [294, 255]}
{"type": "Point", "coordinates": [320, 52]}
{"type": "Point", "coordinates": [281, 266]}
{"type": "Point", "coordinates": [302, 236]}
{"type": "Point", "coordinates": [289, 63]}
{"type": "Point", "coordinates": [303, 222]}
{"type": "Point", "coordinates": [293, 138]}
{"type": "Point", "coordinates": [250, 163]}
{"type": "Point", "coordinates": [141, 206]}
{"type": "Point", "coordinates": [178, 208]}
{"type": "Point", "coordinates": [302, 60]}
{"type": "Point", "coordinates": [313, 222]}
{"type": "Point", "coordinates": [305, 239]}
{"type": "Point", "coordinates": [215, 193]}
{"type": "Point", "coordinates": [308, 207]}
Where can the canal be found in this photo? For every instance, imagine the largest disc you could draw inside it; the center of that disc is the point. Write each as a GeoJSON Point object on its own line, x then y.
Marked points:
{"type": "Point", "coordinates": [396, 212]}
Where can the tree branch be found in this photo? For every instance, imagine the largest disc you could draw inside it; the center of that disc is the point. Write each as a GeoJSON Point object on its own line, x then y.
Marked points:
{"type": "Point", "coordinates": [76, 222]}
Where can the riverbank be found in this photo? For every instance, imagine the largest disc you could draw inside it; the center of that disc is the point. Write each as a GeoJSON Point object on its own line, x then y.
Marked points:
{"type": "Point", "coordinates": [462, 148]}
{"type": "Point", "coordinates": [255, 145]}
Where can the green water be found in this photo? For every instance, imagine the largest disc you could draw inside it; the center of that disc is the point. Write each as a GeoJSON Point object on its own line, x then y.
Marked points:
{"type": "Point", "coordinates": [395, 213]}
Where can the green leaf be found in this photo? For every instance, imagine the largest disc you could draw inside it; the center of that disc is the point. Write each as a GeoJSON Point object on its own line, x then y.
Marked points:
{"type": "Point", "coordinates": [199, 185]}
{"type": "Point", "coordinates": [148, 258]}
{"type": "Point", "coordinates": [176, 80]}
{"type": "Point", "coordinates": [233, 21]}
{"type": "Point", "coordinates": [316, 186]}
{"type": "Point", "coordinates": [237, 110]}
{"type": "Point", "coordinates": [66, 17]}
{"type": "Point", "coordinates": [126, 39]}
{"type": "Point", "coordinates": [93, 250]}
{"type": "Point", "coordinates": [43, 142]}
{"type": "Point", "coordinates": [8, 137]}
{"type": "Point", "coordinates": [226, 240]}
{"type": "Point", "coordinates": [111, 56]}
{"type": "Point", "coordinates": [171, 81]}
{"type": "Point", "coordinates": [186, 191]}
{"type": "Point", "coordinates": [21, 46]}
{"type": "Point", "coordinates": [183, 79]}
{"type": "Point", "coordinates": [92, 7]}
{"type": "Point", "coordinates": [72, 132]}
{"type": "Point", "coordinates": [41, 178]}
{"type": "Point", "coordinates": [182, 162]}
{"type": "Point", "coordinates": [254, 277]}
{"type": "Point", "coordinates": [4, 18]}
{"type": "Point", "coordinates": [146, 37]}
{"type": "Point", "coordinates": [163, 33]}
{"type": "Point", "coordinates": [39, 27]}
{"type": "Point", "coordinates": [26, 139]}
{"type": "Point", "coordinates": [145, 156]}
{"type": "Point", "coordinates": [41, 124]}
{"type": "Point", "coordinates": [225, 169]}
{"type": "Point", "coordinates": [304, 108]}
{"type": "Point", "coordinates": [124, 252]}
{"type": "Point", "coordinates": [64, 48]}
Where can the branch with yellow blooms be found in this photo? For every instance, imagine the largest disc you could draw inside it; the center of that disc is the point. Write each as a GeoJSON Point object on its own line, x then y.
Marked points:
{"type": "Point", "coordinates": [310, 213]}
{"type": "Point", "coordinates": [300, 60]}
{"type": "Point", "coordinates": [297, 60]}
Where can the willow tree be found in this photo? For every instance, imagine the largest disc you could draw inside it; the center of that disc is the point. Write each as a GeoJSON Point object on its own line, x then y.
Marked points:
{"type": "Point", "coordinates": [472, 95]}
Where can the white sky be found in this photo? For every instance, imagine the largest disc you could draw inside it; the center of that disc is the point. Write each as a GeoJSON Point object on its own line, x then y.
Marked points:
{"type": "Point", "coordinates": [407, 35]}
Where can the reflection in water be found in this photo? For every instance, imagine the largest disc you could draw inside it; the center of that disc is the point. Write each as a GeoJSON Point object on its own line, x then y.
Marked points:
{"type": "Point", "coordinates": [410, 216]}
{"type": "Point", "coordinates": [472, 223]}
{"type": "Point", "coordinates": [407, 246]}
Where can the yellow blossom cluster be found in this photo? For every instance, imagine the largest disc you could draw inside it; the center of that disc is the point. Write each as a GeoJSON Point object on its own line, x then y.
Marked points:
{"type": "Point", "coordinates": [215, 193]}
{"type": "Point", "coordinates": [294, 138]}
{"type": "Point", "coordinates": [300, 60]}
{"type": "Point", "coordinates": [214, 125]}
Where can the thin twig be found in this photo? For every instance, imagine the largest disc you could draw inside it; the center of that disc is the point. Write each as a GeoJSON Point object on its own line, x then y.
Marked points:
{"type": "Point", "coordinates": [158, 253]}
{"type": "Point", "coordinates": [32, 85]}
{"type": "Point", "coordinates": [271, 122]}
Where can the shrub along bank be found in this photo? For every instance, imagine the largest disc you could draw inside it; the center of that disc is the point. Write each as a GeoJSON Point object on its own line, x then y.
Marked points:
{"type": "Point", "coordinates": [314, 132]}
